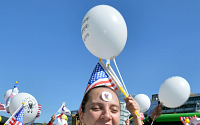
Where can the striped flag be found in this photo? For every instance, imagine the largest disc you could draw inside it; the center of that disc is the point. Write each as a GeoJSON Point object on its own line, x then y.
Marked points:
{"type": "Point", "coordinates": [18, 118]}
{"type": "Point", "coordinates": [2, 107]}
{"type": "Point", "coordinates": [184, 118]}
{"type": "Point", "coordinates": [101, 77]}
{"type": "Point", "coordinates": [39, 111]}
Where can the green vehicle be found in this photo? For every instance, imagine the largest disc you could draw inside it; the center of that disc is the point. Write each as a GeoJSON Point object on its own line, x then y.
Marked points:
{"type": "Point", "coordinates": [173, 119]}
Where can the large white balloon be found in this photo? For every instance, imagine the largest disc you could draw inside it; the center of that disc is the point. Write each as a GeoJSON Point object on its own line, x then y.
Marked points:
{"type": "Point", "coordinates": [104, 31]}
{"type": "Point", "coordinates": [30, 106]}
{"type": "Point", "coordinates": [143, 101]}
{"type": "Point", "coordinates": [174, 92]}
{"type": "Point", "coordinates": [7, 94]}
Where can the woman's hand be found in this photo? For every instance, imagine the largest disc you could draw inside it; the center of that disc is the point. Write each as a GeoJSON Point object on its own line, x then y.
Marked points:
{"type": "Point", "coordinates": [132, 105]}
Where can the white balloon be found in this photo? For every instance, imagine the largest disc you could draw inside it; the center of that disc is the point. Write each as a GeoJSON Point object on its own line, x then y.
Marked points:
{"type": "Point", "coordinates": [174, 92]}
{"type": "Point", "coordinates": [7, 94]}
{"type": "Point", "coordinates": [63, 122]}
{"type": "Point", "coordinates": [30, 106]}
{"type": "Point", "coordinates": [143, 101]}
{"type": "Point", "coordinates": [104, 32]}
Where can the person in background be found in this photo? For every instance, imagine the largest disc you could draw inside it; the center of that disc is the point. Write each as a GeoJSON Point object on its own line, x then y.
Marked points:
{"type": "Point", "coordinates": [157, 111]}
{"type": "Point", "coordinates": [53, 118]}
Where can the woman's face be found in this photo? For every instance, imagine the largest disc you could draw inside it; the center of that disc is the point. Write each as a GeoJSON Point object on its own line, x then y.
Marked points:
{"type": "Point", "coordinates": [98, 111]}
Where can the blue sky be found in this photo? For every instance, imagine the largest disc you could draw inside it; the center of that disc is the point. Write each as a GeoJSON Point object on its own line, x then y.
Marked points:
{"type": "Point", "coordinates": [41, 47]}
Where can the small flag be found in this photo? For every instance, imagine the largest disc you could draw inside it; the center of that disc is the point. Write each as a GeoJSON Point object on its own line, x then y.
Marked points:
{"type": "Point", "coordinates": [18, 118]}
{"type": "Point", "coordinates": [64, 110]}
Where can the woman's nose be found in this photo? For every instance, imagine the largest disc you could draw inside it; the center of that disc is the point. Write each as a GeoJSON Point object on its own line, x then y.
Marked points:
{"type": "Point", "coordinates": [106, 114]}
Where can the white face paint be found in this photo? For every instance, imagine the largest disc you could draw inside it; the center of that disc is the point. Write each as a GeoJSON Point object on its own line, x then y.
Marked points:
{"type": "Point", "coordinates": [106, 96]}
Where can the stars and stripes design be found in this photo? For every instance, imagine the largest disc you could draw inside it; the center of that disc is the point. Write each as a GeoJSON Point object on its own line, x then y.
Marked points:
{"type": "Point", "coordinates": [184, 118]}
{"type": "Point", "coordinates": [18, 118]}
{"type": "Point", "coordinates": [100, 77]}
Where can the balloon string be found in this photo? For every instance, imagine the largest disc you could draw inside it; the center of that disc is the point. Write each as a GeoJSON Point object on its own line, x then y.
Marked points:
{"type": "Point", "coordinates": [120, 77]}
{"type": "Point", "coordinates": [153, 120]}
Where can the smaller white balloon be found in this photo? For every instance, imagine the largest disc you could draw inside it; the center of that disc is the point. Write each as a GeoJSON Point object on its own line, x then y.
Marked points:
{"type": "Point", "coordinates": [30, 106]}
{"type": "Point", "coordinates": [7, 94]}
{"type": "Point", "coordinates": [143, 101]}
{"type": "Point", "coordinates": [174, 92]}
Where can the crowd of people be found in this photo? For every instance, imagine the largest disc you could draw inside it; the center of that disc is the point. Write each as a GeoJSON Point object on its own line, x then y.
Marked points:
{"type": "Point", "coordinates": [101, 105]}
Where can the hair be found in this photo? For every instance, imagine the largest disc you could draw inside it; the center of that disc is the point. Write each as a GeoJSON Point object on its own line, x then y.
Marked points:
{"type": "Point", "coordinates": [86, 96]}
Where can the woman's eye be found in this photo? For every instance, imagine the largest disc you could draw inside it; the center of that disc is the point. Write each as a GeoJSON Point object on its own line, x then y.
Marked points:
{"type": "Point", "coordinates": [114, 110]}
{"type": "Point", "coordinates": [96, 108]}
